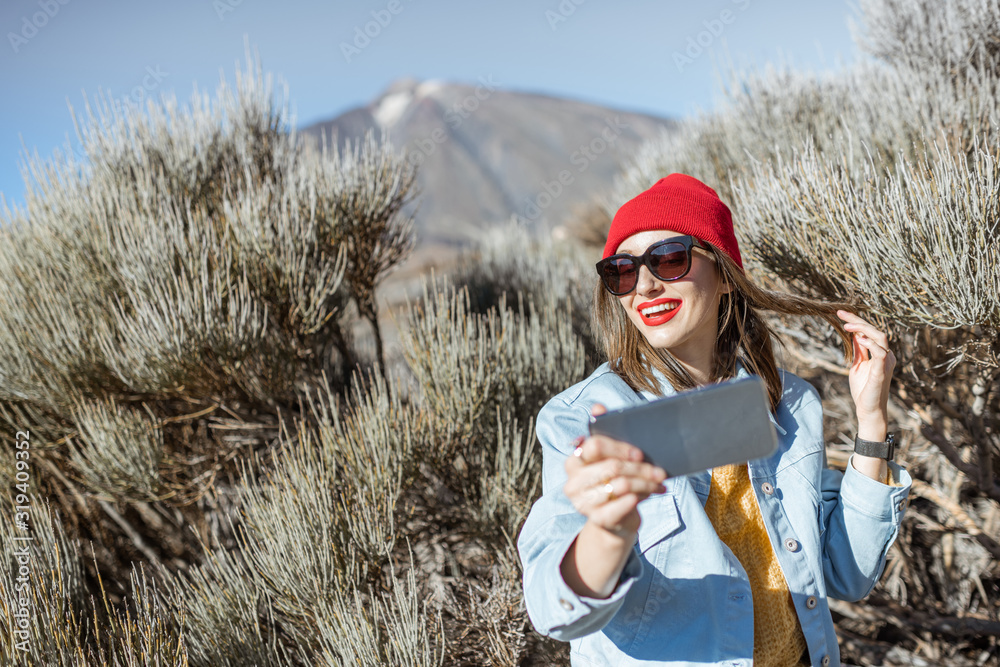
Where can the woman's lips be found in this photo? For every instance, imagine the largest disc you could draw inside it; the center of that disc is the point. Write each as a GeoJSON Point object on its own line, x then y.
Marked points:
{"type": "Point", "coordinates": [659, 318]}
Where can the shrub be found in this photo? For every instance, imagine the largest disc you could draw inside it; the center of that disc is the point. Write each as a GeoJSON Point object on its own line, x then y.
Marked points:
{"type": "Point", "coordinates": [166, 303]}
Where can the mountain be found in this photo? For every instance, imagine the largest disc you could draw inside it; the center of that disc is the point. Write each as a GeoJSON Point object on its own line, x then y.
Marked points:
{"type": "Point", "coordinates": [486, 153]}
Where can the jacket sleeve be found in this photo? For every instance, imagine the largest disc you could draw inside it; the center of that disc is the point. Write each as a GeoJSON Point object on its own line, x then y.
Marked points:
{"type": "Point", "coordinates": [550, 529]}
{"type": "Point", "coordinates": [862, 518]}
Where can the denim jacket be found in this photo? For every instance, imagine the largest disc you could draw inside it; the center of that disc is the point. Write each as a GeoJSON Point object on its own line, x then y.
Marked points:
{"type": "Point", "coordinates": [683, 598]}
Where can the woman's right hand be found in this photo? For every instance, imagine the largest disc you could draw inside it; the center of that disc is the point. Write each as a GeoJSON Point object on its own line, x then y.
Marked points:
{"type": "Point", "coordinates": [606, 480]}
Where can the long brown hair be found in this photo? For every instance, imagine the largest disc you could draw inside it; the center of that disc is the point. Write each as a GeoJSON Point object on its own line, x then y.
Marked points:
{"type": "Point", "coordinates": [743, 334]}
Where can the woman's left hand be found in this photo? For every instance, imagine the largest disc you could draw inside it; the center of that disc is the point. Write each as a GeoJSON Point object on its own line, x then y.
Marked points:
{"type": "Point", "coordinates": [870, 373]}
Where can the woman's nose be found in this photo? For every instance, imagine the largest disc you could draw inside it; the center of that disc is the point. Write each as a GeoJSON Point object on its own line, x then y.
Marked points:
{"type": "Point", "coordinates": [646, 282]}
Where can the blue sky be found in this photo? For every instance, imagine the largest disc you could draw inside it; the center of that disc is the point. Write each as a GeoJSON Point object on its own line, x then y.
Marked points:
{"type": "Point", "coordinates": [633, 55]}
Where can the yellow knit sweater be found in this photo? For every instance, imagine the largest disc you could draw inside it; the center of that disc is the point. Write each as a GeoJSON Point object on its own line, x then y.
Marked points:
{"type": "Point", "coordinates": [777, 637]}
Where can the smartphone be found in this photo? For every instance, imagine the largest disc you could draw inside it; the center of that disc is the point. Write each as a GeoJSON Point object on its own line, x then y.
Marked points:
{"type": "Point", "coordinates": [697, 429]}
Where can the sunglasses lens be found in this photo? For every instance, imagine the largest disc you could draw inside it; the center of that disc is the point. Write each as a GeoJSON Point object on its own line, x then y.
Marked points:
{"type": "Point", "coordinates": [619, 275]}
{"type": "Point", "coordinates": [669, 261]}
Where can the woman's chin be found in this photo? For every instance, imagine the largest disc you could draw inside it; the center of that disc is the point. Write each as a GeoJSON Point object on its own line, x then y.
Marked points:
{"type": "Point", "coordinates": [659, 340]}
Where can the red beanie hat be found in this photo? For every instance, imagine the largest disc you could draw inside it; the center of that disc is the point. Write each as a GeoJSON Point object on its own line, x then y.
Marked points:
{"type": "Point", "coordinates": [679, 203]}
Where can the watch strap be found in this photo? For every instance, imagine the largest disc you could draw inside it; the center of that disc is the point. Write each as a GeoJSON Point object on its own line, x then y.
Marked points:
{"type": "Point", "coordinates": [880, 450]}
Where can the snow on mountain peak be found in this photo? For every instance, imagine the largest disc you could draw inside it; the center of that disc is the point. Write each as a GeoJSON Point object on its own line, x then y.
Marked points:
{"type": "Point", "coordinates": [391, 108]}
{"type": "Point", "coordinates": [429, 87]}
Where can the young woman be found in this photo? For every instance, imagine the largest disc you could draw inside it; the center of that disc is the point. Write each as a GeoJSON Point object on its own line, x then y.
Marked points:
{"type": "Point", "coordinates": [732, 566]}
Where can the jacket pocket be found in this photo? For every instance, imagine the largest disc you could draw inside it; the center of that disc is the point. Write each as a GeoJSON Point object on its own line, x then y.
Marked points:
{"type": "Point", "coordinates": [660, 519]}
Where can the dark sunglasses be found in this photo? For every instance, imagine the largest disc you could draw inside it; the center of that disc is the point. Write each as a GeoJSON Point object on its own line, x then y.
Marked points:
{"type": "Point", "coordinates": [669, 259]}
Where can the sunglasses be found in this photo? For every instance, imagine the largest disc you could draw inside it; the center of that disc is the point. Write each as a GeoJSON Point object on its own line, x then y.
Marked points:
{"type": "Point", "coordinates": [669, 259]}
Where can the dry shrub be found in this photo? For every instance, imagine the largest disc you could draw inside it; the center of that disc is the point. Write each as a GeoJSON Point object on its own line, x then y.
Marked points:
{"type": "Point", "coordinates": [59, 628]}
{"type": "Point", "coordinates": [119, 451]}
{"type": "Point", "coordinates": [508, 490]}
{"type": "Point", "coordinates": [64, 627]}
{"type": "Point", "coordinates": [482, 377]}
{"type": "Point", "coordinates": [588, 225]}
{"type": "Point", "coordinates": [509, 261]}
{"type": "Point", "coordinates": [390, 628]}
{"type": "Point", "coordinates": [167, 301]}
{"type": "Point", "coordinates": [224, 613]}
{"type": "Point", "coordinates": [468, 363]}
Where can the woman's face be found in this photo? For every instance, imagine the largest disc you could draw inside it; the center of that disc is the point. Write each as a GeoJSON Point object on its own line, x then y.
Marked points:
{"type": "Point", "coordinates": [688, 326]}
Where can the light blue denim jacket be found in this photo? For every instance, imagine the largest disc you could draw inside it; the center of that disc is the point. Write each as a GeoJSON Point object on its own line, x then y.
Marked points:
{"type": "Point", "coordinates": [683, 597]}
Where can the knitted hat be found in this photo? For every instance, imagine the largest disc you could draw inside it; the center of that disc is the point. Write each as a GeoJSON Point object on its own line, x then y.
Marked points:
{"type": "Point", "coordinates": [679, 203]}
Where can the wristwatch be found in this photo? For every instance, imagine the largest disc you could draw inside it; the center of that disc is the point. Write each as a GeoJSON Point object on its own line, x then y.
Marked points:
{"type": "Point", "coordinates": [880, 450]}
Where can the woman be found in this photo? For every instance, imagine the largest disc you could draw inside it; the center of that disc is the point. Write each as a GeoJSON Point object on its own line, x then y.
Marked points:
{"type": "Point", "coordinates": [732, 566]}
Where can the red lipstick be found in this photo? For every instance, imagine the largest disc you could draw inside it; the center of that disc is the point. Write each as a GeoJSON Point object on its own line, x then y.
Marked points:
{"type": "Point", "coordinates": [659, 318]}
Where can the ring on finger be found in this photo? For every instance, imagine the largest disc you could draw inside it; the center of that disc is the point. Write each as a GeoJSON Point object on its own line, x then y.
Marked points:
{"type": "Point", "coordinates": [609, 489]}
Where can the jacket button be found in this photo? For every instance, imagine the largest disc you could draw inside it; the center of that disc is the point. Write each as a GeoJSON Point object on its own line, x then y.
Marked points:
{"type": "Point", "coordinates": [902, 504]}
{"type": "Point", "coordinates": [791, 544]}
{"type": "Point", "coordinates": [767, 488]}
{"type": "Point", "coordinates": [811, 602]}
{"type": "Point", "coordinates": [566, 604]}
{"type": "Point", "coordinates": [825, 661]}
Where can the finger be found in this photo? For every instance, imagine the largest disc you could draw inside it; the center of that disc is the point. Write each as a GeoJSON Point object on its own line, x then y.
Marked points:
{"type": "Point", "coordinates": [611, 514]}
{"type": "Point", "coordinates": [614, 468]}
{"type": "Point", "coordinates": [880, 366]}
{"type": "Point", "coordinates": [575, 461]}
{"type": "Point", "coordinates": [597, 409]}
{"type": "Point", "coordinates": [851, 325]}
{"type": "Point", "coordinates": [860, 353]}
{"type": "Point", "coordinates": [573, 465]}
{"type": "Point", "coordinates": [869, 330]}
{"type": "Point", "coordinates": [616, 485]}
{"type": "Point", "coordinates": [870, 333]}
{"type": "Point", "coordinates": [890, 362]}
{"type": "Point", "coordinates": [593, 475]}
{"type": "Point", "coordinates": [600, 473]}
{"type": "Point", "coordinates": [621, 486]}
{"type": "Point", "coordinates": [848, 316]}
{"type": "Point", "coordinates": [875, 350]}
{"type": "Point", "coordinates": [598, 447]}
{"type": "Point", "coordinates": [589, 499]}
{"type": "Point", "coordinates": [886, 359]}
{"type": "Point", "coordinates": [856, 323]}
